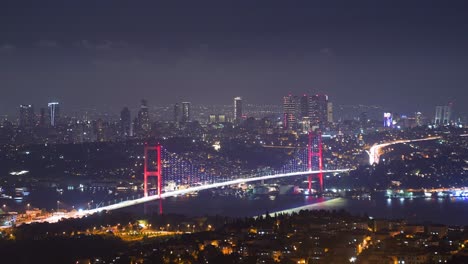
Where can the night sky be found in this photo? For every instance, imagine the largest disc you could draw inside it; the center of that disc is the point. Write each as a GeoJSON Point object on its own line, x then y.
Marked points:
{"type": "Point", "coordinates": [401, 55]}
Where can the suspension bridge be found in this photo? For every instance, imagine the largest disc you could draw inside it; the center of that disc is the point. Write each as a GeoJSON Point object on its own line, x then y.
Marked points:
{"type": "Point", "coordinates": [166, 167]}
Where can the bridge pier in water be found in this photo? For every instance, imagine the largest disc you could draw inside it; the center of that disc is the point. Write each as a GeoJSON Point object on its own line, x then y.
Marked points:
{"type": "Point", "coordinates": [146, 207]}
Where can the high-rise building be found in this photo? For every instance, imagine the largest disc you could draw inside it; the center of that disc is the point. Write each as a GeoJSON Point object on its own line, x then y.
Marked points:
{"type": "Point", "coordinates": [319, 109]}
{"type": "Point", "coordinates": [237, 109]}
{"type": "Point", "coordinates": [388, 119]}
{"type": "Point", "coordinates": [143, 118]}
{"type": "Point", "coordinates": [26, 118]}
{"type": "Point", "coordinates": [329, 112]}
{"type": "Point", "coordinates": [54, 113]}
{"type": "Point", "coordinates": [447, 116]}
{"type": "Point", "coordinates": [186, 112]}
{"type": "Point", "coordinates": [418, 118]}
{"type": "Point", "coordinates": [443, 114]}
{"type": "Point", "coordinates": [313, 110]}
{"type": "Point", "coordinates": [290, 110]}
{"type": "Point", "coordinates": [438, 115]}
{"type": "Point", "coordinates": [125, 122]}
{"type": "Point", "coordinates": [176, 113]}
{"type": "Point", "coordinates": [304, 103]}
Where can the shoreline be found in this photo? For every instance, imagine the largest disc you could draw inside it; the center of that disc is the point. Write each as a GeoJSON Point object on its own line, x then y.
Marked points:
{"type": "Point", "coordinates": [328, 203]}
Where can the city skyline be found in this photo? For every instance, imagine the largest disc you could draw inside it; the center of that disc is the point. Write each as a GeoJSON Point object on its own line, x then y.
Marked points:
{"type": "Point", "coordinates": [407, 56]}
{"type": "Point", "coordinates": [296, 109]}
{"type": "Point", "coordinates": [234, 131]}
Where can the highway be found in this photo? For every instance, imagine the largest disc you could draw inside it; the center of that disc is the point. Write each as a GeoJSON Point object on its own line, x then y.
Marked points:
{"type": "Point", "coordinates": [375, 150]}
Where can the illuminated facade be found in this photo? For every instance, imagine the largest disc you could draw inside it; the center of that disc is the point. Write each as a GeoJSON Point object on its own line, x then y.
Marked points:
{"type": "Point", "coordinates": [221, 118]}
{"type": "Point", "coordinates": [319, 109]}
{"type": "Point", "coordinates": [212, 119]}
{"type": "Point", "coordinates": [329, 112]}
{"type": "Point", "coordinates": [290, 112]}
{"type": "Point", "coordinates": [186, 112]}
{"type": "Point", "coordinates": [26, 117]}
{"type": "Point", "coordinates": [237, 109]}
{"type": "Point", "coordinates": [418, 118]}
{"type": "Point", "coordinates": [141, 123]}
{"type": "Point", "coordinates": [54, 113]}
{"type": "Point", "coordinates": [315, 110]}
{"type": "Point", "coordinates": [443, 115]}
{"type": "Point", "coordinates": [388, 120]}
{"type": "Point", "coordinates": [216, 119]}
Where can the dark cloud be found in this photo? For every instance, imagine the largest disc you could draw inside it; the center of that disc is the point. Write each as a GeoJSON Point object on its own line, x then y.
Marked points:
{"type": "Point", "coordinates": [102, 45]}
{"type": "Point", "coordinates": [7, 47]}
{"type": "Point", "coordinates": [44, 43]}
{"type": "Point", "coordinates": [327, 51]}
{"type": "Point", "coordinates": [408, 55]}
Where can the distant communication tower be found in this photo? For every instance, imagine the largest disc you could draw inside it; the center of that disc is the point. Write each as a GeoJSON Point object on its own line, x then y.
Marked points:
{"type": "Point", "coordinates": [157, 172]}
{"type": "Point", "coordinates": [315, 154]}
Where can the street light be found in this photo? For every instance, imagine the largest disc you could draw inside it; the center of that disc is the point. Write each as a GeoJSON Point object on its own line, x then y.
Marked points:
{"type": "Point", "coordinates": [58, 203]}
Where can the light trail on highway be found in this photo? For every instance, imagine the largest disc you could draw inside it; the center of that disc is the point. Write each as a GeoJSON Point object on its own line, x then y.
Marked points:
{"type": "Point", "coordinates": [142, 200]}
{"type": "Point", "coordinates": [374, 152]}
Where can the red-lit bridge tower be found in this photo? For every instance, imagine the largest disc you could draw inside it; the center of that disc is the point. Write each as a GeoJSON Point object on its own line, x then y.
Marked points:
{"type": "Point", "coordinates": [157, 172]}
{"type": "Point", "coordinates": [314, 149]}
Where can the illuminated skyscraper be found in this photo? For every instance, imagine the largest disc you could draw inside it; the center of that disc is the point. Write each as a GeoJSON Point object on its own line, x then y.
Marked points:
{"type": "Point", "coordinates": [388, 119]}
{"type": "Point", "coordinates": [290, 111]}
{"type": "Point", "coordinates": [418, 118]}
{"type": "Point", "coordinates": [446, 117]}
{"type": "Point", "coordinates": [319, 109]}
{"type": "Point", "coordinates": [142, 122]}
{"type": "Point", "coordinates": [312, 111]}
{"type": "Point", "coordinates": [186, 112]}
{"type": "Point", "coordinates": [443, 114]}
{"type": "Point", "coordinates": [54, 113]}
{"type": "Point", "coordinates": [125, 122]}
{"type": "Point", "coordinates": [26, 117]}
{"type": "Point", "coordinates": [438, 115]}
{"type": "Point", "coordinates": [329, 112]}
{"type": "Point", "coordinates": [304, 103]}
{"type": "Point", "coordinates": [237, 109]}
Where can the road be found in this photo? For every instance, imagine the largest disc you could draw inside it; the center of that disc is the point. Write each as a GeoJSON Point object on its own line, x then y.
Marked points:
{"type": "Point", "coordinates": [375, 150]}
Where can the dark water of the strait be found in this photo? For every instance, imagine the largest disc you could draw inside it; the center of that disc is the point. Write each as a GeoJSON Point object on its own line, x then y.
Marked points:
{"type": "Point", "coordinates": [449, 211]}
